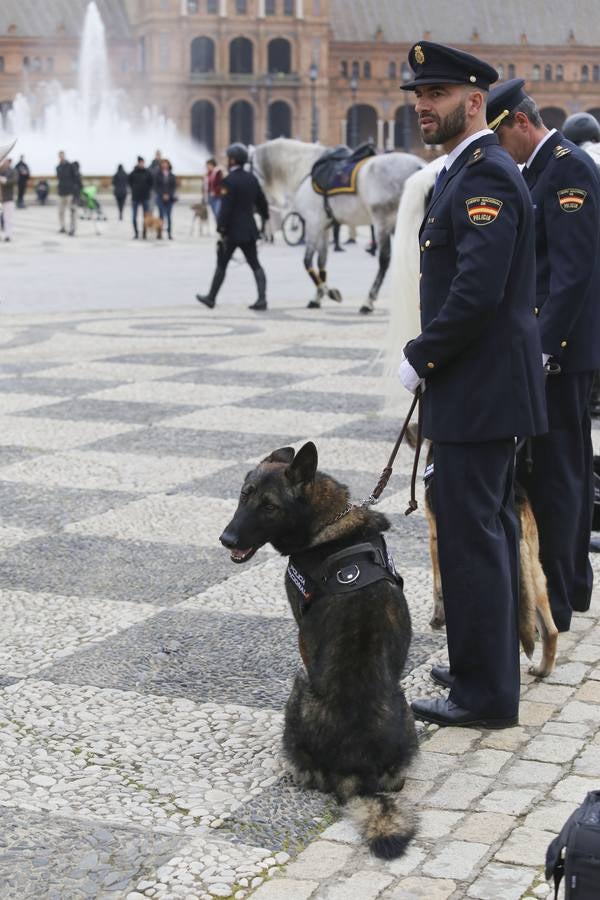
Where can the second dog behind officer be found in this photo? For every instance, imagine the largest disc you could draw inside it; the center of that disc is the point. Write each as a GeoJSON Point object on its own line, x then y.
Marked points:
{"type": "Point", "coordinates": [241, 195]}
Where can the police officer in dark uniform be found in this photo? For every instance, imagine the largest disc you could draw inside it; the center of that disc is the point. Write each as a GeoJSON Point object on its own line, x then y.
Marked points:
{"type": "Point", "coordinates": [241, 195]}
{"type": "Point", "coordinates": [479, 359]}
{"type": "Point", "coordinates": [565, 188]}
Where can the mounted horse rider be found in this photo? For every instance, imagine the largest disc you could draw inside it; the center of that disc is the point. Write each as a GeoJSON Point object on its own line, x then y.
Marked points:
{"type": "Point", "coordinates": [241, 195]}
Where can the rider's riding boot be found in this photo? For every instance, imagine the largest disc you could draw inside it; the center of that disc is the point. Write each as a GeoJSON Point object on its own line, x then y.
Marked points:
{"type": "Point", "coordinates": [211, 298]}
{"type": "Point", "coordinates": [261, 284]}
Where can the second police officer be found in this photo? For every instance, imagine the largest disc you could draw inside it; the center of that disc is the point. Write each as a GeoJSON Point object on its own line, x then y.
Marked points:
{"type": "Point", "coordinates": [565, 189]}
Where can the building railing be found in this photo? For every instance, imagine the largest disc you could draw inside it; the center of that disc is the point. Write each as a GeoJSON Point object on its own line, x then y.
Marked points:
{"type": "Point", "coordinates": [224, 78]}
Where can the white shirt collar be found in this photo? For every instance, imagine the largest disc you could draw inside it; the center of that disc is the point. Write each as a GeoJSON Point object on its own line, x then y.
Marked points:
{"type": "Point", "coordinates": [454, 154]}
{"type": "Point", "coordinates": [539, 146]}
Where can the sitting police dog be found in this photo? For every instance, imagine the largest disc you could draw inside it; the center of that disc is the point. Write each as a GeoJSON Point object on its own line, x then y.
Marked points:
{"type": "Point", "coordinates": [348, 727]}
{"type": "Point", "coordinates": [534, 606]}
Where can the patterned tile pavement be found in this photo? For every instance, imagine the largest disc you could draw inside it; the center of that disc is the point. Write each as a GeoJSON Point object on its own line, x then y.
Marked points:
{"type": "Point", "coordinates": [143, 677]}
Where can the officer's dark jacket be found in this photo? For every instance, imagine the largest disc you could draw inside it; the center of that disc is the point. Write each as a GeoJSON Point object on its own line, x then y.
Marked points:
{"type": "Point", "coordinates": [480, 349]}
{"type": "Point", "coordinates": [565, 190]}
{"type": "Point", "coordinates": [241, 195]}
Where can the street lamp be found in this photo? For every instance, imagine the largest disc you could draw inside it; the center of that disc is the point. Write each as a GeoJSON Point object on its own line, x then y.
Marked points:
{"type": "Point", "coordinates": [354, 123]}
{"type": "Point", "coordinates": [314, 125]}
{"type": "Point", "coordinates": [406, 76]}
{"type": "Point", "coordinates": [268, 86]}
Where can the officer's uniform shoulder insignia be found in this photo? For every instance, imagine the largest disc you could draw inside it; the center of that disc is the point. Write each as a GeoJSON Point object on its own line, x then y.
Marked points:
{"type": "Point", "coordinates": [571, 199]}
{"type": "Point", "coordinates": [476, 156]}
{"type": "Point", "coordinates": [560, 151]}
{"type": "Point", "coordinates": [483, 210]}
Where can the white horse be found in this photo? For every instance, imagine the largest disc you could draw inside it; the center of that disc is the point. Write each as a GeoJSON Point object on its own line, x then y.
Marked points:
{"type": "Point", "coordinates": [284, 165]}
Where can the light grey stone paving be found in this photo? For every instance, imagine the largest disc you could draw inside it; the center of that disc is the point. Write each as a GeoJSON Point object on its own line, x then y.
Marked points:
{"type": "Point", "coordinates": [143, 677]}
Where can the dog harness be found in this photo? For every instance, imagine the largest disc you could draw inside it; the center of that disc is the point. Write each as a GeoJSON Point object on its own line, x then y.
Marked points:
{"type": "Point", "coordinates": [342, 572]}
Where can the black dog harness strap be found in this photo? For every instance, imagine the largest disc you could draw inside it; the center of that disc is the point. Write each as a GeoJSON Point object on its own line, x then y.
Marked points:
{"type": "Point", "coordinates": [342, 572]}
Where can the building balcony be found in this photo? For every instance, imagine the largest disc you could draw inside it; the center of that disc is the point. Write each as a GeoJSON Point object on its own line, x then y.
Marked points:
{"type": "Point", "coordinates": [228, 79]}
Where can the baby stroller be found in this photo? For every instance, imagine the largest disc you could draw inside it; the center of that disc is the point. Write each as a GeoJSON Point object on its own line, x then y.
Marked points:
{"type": "Point", "coordinates": [90, 206]}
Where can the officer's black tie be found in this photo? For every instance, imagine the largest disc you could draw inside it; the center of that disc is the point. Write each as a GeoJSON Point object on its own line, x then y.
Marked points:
{"type": "Point", "coordinates": [440, 181]}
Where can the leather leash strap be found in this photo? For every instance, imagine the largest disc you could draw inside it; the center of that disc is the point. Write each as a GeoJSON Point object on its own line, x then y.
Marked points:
{"type": "Point", "coordinates": [387, 472]}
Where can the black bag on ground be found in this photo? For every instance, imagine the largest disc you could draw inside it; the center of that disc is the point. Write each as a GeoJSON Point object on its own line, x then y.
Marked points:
{"type": "Point", "coordinates": [580, 840]}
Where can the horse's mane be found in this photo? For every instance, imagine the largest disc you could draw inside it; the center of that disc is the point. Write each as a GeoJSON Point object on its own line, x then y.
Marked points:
{"type": "Point", "coordinates": [281, 164]}
{"type": "Point", "coordinates": [593, 149]}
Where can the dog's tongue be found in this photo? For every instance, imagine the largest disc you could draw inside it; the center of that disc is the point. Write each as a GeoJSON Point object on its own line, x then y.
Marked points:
{"type": "Point", "coordinates": [240, 556]}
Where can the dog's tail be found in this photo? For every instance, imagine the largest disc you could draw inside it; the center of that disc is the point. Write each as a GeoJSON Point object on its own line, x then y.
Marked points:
{"type": "Point", "coordinates": [387, 824]}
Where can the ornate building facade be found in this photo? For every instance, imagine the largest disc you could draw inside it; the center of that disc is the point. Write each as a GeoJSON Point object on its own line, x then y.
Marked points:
{"type": "Point", "coordinates": [251, 70]}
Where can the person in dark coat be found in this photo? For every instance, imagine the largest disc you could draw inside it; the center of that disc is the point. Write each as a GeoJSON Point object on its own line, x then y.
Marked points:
{"type": "Point", "coordinates": [564, 182]}
{"type": "Point", "coordinates": [140, 182]}
{"type": "Point", "coordinates": [478, 360]}
{"type": "Point", "coordinates": [23, 176]}
{"type": "Point", "coordinates": [120, 183]}
{"type": "Point", "coordinates": [165, 188]}
{"type": "Point", "coordinates": [8, 181]}
{"type": "Point", "coordinates": [241, 195]}
{"type": "Point", "coordinates": [66, 190]}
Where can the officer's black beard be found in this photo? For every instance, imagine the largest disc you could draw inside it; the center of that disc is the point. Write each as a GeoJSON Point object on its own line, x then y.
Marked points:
{"type": "Point", "coordinates": [453, 125]}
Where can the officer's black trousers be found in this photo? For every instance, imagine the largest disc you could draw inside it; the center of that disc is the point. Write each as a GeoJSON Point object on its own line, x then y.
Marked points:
{"type": "Point", "coordinates": [478, 545]}
{"type": "Point", "coordinates": [226, 249]}
{"type": "Point", "coordinates": [561, 491]}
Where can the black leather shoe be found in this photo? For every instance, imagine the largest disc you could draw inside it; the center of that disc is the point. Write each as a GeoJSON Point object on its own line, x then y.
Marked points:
{"type": "Point", "coordinates": [259, 305]}
{"type": "Point", "coordinates": [445, 712]}
{"type": "Point", "coordinates": [208, 301]}
{"type": "Point", "coordinates": [441, 675]}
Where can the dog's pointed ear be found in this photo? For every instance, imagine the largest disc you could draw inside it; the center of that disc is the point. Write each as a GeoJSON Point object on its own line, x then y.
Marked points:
{"type": "Point", "coordinates": [283, 455]}
{"type": "Point", "coordinates": [304, 467]}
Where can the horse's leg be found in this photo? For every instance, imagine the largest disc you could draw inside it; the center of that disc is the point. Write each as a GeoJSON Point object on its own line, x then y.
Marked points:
{"type": "Point", "coordinates": [332, 293]}
{"type": "Point", "coordinates": [384, 241]}
{"type": "Point", "coordinates": [312, 273]}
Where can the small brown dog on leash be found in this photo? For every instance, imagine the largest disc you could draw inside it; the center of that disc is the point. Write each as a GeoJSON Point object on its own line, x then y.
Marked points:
{"type": "Point", "coordinates": [153, 223]}
{"type": "Point", "coordinates": [200, 217]}
{"type": "Point", "coordinates": [534, 607]}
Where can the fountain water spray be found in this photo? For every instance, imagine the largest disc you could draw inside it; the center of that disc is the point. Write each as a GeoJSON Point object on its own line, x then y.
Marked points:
{"type": "Point", "coordinates": [94, 123]}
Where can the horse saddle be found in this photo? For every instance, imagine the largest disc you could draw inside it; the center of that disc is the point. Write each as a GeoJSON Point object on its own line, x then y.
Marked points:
{"type": "Point", "coordinates": [336, 171]}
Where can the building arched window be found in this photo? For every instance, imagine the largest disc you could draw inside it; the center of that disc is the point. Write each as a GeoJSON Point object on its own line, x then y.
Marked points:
{"type": "Point", "coordinates": [511, 70]}
{"type": "Point", "coordinates": [192, 6]}
{"type": "Point", "coordinates": [535, 73]}
{"type": "Point", "coordinates": [355, 69]}
{"type": "Point", "coordinates": [344, 68]}
{"type": "Point", "coordinates": [202, 55]}
{"type": "Point", "coordinates": [241, 7]}
{"type": "Point", "coordinates": [367, 70]}
{"type": "Point", "coordinates": [560, 72]}
{"type": "Point", "coordinates": [548, 72]}
{"type": "Point", "coordinates": [270, 8]}
{"type": "Point", "coordinates": [392, 70]}
{"type": "Point", "coordinates": [585, 73]}
{"type": "Point", "coordinates": [596, 75]}
{"type": "Point", "coordinates": [279, 53]}
{"type": "Point", "coordinates": [288, 7]}
{"type": "Point", "coordinates": [500, 70]}
{"type": "Point", "coordinates": [241, 56]}
{"type": "Point", "coordinates": [1, 64]}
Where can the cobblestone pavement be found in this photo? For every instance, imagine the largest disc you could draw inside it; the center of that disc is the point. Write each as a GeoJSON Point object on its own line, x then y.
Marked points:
{"type": "Point", "coordinates": [143, 677]}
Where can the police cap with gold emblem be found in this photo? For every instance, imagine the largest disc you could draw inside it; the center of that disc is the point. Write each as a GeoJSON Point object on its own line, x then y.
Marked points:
{"type": "Point", "coordinates": [503, 99]}
{"type": "Point", "coordinates": [438, 64]}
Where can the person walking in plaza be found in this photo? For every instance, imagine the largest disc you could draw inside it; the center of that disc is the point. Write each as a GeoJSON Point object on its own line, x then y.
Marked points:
{"type": "Point", "coordinates": [165, 187]}
{"type": "Point", "coordinates": [564, 183]}
{"type": "Point", "coordinates": [66, 189]}
{"type": "Point", "coordinates": [478, 361]}
{"type": "Point", "coordinates": [214, 177]}
{"type": "Point", "coordinates": [241, 195]}
{"type": "Point", "coordinates": [23, 176]}
{"type": "Point", "coordinates": [120, 183]}
{"type": "Point", "coordinates": [8, 180]}
{"type": "Point", "coordinates": [76, 199]}
{"type": "Point", "coordinates": [140, 182]}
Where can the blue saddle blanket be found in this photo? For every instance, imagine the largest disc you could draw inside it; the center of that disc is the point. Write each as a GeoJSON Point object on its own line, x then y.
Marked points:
{"type": "Point", "coordinates": [336, 171]}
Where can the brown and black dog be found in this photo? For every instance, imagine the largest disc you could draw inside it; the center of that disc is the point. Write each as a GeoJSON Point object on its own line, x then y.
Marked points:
{"type": "Point", "coordinates": [534, 607]}
{"type": "Point", "coordinates": [348, 727]}
{"type": "Point", "coordinates": [153, 223]}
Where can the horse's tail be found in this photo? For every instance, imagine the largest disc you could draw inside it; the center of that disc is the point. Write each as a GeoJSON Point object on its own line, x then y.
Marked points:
{"type": "Point", "coordinates": [386, 822]}
{"type": "Point", "coordinates": [405, 321]}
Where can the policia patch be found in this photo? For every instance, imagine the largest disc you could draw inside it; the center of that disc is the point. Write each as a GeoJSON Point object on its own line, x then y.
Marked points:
{"type": "Point", "coordinates": [571, 199]}
{"type": "Point", "coordinates": [483, 210]}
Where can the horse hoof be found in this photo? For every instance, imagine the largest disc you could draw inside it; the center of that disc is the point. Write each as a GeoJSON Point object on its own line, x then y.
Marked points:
{"type": "Point", "coordinates": [365, 310]}
{"type": "Point", "coordinates": [314, 304]}
{"type": "Point", "coordinates": [334, 294]}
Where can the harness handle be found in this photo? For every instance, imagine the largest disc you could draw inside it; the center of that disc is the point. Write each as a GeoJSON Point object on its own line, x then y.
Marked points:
{"type": "Point", "coordinates": [387, 472]}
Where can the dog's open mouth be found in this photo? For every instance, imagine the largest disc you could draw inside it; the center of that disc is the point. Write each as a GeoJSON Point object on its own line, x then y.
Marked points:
{"type": "Point", "coordinates": [242, 556]}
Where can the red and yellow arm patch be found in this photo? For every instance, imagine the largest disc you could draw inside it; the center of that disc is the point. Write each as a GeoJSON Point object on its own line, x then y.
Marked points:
{"type": "Point", "coordinates": [483, 210]}
{"type": "Point", "coordinates": [571, 199]}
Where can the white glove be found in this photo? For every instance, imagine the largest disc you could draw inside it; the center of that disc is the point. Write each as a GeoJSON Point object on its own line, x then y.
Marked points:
{"type": "Point", "coordinates": [408, 376]}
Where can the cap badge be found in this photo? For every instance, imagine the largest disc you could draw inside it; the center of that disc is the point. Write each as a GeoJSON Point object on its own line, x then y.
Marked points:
{"type": "Point", "coordinates": [419, 55]}
{"type": "Point", "coordinates": [472, 79]}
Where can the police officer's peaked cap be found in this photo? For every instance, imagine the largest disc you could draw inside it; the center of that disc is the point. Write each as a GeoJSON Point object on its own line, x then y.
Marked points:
{"type": "Point", "coordinates": [438, 64]}
{"type": "Point", "coordinates": [502, 100]}
{"type": "Point", "coordinates": [238, 153]}
{"type": "Point", "coordinates": [581, 127]}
